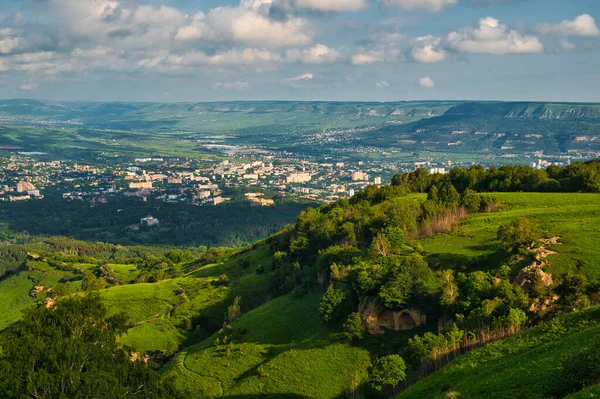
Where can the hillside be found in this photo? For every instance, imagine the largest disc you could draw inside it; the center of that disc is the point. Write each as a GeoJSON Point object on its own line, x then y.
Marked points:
{"type": "Point", "coordinates": [219, 116]}
{"type": "Point", "coordinates": [498, 129]}
{"type": "Point", "coordinates": [546, 361]}
{"type": "Point", "coordinates": [482, 132]}
{"type": "Point", "coordinates": [426, 269]}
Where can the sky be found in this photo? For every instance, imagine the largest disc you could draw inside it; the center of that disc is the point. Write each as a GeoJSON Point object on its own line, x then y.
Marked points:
{"type": "Point", "coordinates": [338, 50]}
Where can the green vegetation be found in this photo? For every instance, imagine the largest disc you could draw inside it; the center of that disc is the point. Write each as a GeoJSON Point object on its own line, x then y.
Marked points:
{"type": "Point", "coordinates": [472, 292]}
{"type": "Point", "coordinates": [540, 363]}
{"type": "Point", "coordinates": [280, 348]}
{"type": "Point", "coordinates": [70, 350]}
{"type": "Point", "coordinates": [233, 224]}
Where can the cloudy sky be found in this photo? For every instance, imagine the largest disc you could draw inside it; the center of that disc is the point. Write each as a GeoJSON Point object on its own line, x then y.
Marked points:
{"type": "Point", "coordinates": [205, 50]}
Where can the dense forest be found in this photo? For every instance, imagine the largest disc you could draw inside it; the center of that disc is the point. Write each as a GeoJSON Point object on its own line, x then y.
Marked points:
{"type": "Point", "coordinates": [231, 224]}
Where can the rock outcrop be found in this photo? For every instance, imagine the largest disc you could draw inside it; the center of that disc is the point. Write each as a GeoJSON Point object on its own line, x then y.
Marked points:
{"type": "Point", "coordinates": [377, 317]}
{"type": "Point", "coordinates": [530, 277]}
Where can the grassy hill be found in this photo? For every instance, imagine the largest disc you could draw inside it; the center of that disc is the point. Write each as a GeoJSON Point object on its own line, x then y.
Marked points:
{"type": "Point", "coordinates": [280, 349]}
{"type": "Point", "coordinates": [573, 217]}
{"type": "Point", "coordinates": [279, 346]}
{"type": "Point", "coordinates": [523, 366]}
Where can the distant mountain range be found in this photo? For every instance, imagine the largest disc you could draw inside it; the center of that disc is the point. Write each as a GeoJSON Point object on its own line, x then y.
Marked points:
{"type": "Point", "coordinates": [459, 127]}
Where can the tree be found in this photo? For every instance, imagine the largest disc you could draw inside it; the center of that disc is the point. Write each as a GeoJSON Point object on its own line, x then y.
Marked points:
{"type": "Point", "coordinates": [396, 292]}
{"type": "Point", "coordinates": [354, 327]}
{"type": "Point", "coordinates": [448, 194]}
{"type": "Point", "coordinates": [388, 370]}
{"type": "Point", "coordinates": [449, 287]}
{"type": "Point", "coordinates": [518, 233]}
{"type": "Point", "coordinates": [516, 319]}
{"type": "Point", "coordinates": [91, 283]}
{"type": "Point", "coordinates": [380, 245]}
{"type": "Point", "coordinates": [330, 302]}
{"type": "Point", "coordinates": [471, 200]}
{"type": "Point", "coordinates": [70, 350]}
{"type": "Point", "coordinates": [234, 311]}
{"type": "Point", "coordinates": [395, 237]}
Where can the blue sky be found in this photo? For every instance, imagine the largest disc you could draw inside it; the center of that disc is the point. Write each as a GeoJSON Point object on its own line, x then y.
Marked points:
{"type": "Point", "coordinates": [375, 50]}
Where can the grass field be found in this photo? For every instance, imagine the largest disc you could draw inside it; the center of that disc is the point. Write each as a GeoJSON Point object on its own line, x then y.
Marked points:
{"type": "Point", "coordinates": [517, 367]}
{"type": "Point", "coordinates": [14, 297]}
{"type": "Point", "coordinates": [574, 217]}
{"type": "Point", "coordinates": [280, 349]}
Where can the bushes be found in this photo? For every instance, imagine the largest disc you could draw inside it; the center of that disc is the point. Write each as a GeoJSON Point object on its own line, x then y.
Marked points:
{"type": "Point", "coordinates": [354, 328]}
{"type": "Point", "coordinates": [518, 233]}
{"type": "Point", "coordinates": [330, 303]}
{"type": "Point", "coordinates": [388, 370]}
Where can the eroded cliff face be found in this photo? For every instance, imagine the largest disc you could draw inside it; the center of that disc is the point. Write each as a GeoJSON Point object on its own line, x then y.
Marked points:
{"type": "Point", "coordinates": [535, 274]}
{"type": "Point", "coordinates": [376, 317]}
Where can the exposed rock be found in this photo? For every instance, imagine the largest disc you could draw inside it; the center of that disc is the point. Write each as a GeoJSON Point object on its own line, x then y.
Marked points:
{"type": "Point", "coordinates": [376, 316]}
{"type": "Point", "coordinates": [108, 276]}
{"type": "Point", "coordinates": [542, 306]}
{"type": "Point", "coordinates": [534, 274]}
{"type": "Point", "coordinates": [135, 356]}
{"type": "Point", "coordinates": [529, 275]}
{"type": "Point", "coordinates": [49, 302]}
{"type": "Point", "coordinates": [36, 291]}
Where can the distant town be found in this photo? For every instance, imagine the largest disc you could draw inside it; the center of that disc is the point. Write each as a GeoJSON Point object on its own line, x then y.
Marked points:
{"type": "Point", "coordinates": [259, 180]}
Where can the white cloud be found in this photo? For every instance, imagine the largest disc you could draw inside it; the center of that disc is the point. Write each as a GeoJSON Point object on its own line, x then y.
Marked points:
{"type": "Point", "coordinates": [318, 54]}
{"type": "Point", "coordinates": [426, 82]}
{"type": "Point", "coordinates": [429, 5]}
{"type": "Point", "coordinates": [381, 55]}
{"type": "Point", "coordinates": [299, 81]}
{"type": "Point", "coordinates": [382, 84]}
{"type": "Point", "coordinates": [248, 56]}
{"type": "Point", "coordinates": [488, 36]}
{"type": "Point", "coordinates": [194, 29]}
{"type": "Point", "coordinates": [371, 57]}
{"type": "Point", "coordinates": [331, 5]}
{"type": "Point", "coordinates": [28, 86]}
{"type": "Point", "coordinates": [8, 44]}
{"type": "Point", "coordinates": [231, 86]}
{"type": "Point", "coordinates": [427, 50]}
{"type": "Point", "coordinates": [248, 26]}
{"type": "Point", "coordinates": [566, 45]}
{"type": "Point", "coordinates": [583, 25]}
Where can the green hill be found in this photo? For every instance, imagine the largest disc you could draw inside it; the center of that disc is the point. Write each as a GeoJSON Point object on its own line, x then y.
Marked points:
{"type": "Point", "coordinates": [425, 268]}
{"type": "Point", "coordinates": [281, 349]}
{"type": "Point", "coordinates": [529, 365]}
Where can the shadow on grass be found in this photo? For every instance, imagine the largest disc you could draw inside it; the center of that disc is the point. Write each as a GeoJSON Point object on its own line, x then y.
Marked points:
{"type": "Point", "coordinates": [466, 263]}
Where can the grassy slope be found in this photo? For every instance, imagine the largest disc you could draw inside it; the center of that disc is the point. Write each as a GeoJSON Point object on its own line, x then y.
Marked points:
{"type": "Point", "coordinates": [516, 367]}
{"type": "Point", "coordinates": [14, 297]}
{"type": "Point", "coordinates": [206, 371]}
{"type": "Point", "coordinates": [281, 349]}
{"type": "Point", "coordinates": [159, 311]}
{"type": "Point", "coordinates": [575, 217]}
{"type": "Point", "coordinates": [15, 289]}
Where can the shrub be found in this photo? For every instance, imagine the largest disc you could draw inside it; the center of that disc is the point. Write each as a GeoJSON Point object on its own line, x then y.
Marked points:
{"type": "Point", "coordinates": [330, 302]}
{"type": "Point", "coordinates": [354, 327]}
{"type": "Point", "coordinates": [518, 233]}
{"type": "Point", "coordinates": [388, 370]}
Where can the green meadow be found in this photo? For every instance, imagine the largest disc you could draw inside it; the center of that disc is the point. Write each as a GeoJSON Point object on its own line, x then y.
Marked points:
{"type": "Point", "coordinates": [573, 217]}
{"type": "Point", "coordinates": [523, 366]}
